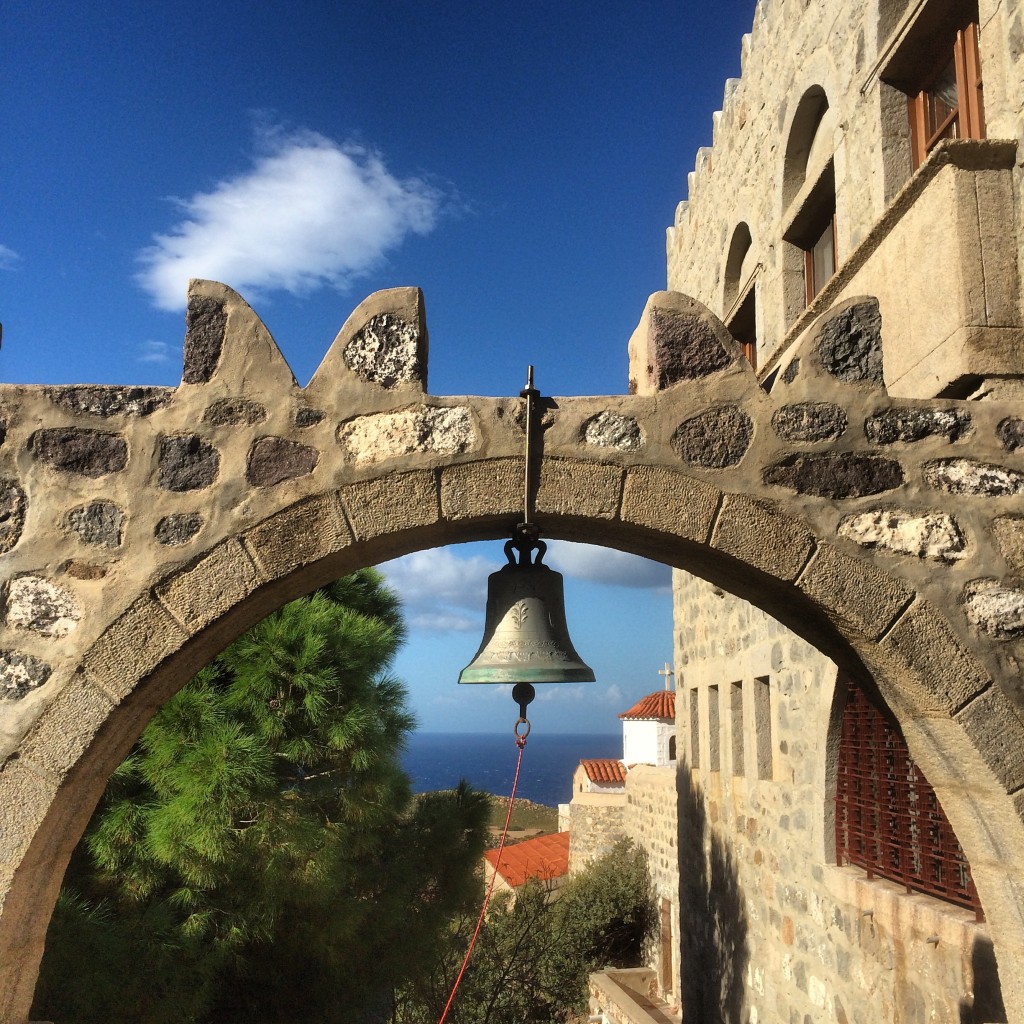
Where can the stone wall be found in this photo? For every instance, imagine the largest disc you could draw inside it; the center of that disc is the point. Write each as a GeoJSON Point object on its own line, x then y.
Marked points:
{"type": "Point", "coordinates": [777, 930]}
{"type": "Point", "coordinates": [650, 821]}
{"type": "Point", "coordinates": [596, 823]}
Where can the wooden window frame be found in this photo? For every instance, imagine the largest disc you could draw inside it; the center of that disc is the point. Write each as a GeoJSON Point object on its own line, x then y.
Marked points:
{"type": "Point", "coordinates": [969, 114]}
{"type": "Point", "coordinates": [812, 286]}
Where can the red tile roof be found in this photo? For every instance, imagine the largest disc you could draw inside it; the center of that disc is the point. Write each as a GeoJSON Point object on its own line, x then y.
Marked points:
{"type": "Point", "coordinates": [541, 858]}
{"type": "Point", "coordinates": [604, 769]}
{"type": "Point", "coordinates": [655, 705]}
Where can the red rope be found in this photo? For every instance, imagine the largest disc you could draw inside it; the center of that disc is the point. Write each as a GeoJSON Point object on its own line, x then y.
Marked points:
{"type": "Point", "coordinates": [521, 743]}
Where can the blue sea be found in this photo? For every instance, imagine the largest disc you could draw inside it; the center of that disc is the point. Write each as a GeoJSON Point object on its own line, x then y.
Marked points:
{"type": "Point", "coordinates": [436, 760]}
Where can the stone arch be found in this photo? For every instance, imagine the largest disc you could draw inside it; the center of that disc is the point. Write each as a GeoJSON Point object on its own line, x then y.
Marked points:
{"type": "Point", "coordinates": [774, 498]}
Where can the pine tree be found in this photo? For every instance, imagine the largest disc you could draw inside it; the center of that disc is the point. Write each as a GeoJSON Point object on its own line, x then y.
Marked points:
{"type": "Point", "coordinates": [258, 852]}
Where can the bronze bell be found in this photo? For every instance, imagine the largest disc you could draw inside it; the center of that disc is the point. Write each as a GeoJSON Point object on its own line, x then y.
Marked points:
{"type": "Point", "coordinates": [526, 639]}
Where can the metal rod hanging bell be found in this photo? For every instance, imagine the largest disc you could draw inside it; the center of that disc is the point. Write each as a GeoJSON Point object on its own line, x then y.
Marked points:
{"type": "Point", "coordinates": [526, 639]}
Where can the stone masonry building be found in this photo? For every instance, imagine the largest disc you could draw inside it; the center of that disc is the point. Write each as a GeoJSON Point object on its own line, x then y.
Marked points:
{"type": "Point", "coordinates": [868, 149]}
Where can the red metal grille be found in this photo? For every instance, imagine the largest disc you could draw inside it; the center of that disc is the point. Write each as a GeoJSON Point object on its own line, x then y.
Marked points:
{"type": "Point", "coordinates": [888, 819]}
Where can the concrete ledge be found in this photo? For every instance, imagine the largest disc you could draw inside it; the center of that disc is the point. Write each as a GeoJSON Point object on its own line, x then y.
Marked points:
{"type": "Point", "coordinates": [628, 996]}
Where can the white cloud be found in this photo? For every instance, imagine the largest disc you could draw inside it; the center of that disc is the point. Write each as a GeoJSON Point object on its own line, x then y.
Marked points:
{"type": "Point", "coordinates": [158, 352]}
{"type": "Point", "coordinates": [605, 565]}
{"type": "Point", "coordinates": [309, 213]}
{"type": "Point", "coordinates": [612, 694]}
{"type": "Point", "coordinates": [9, 259]}
{"type": "Point", "coordinates": [443, 622]}
{"type": "Point", "coordinates": [438, 587]}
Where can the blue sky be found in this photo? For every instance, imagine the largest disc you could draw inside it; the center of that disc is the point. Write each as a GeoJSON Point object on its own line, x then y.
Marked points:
{"type": "Point", "coordinates": [519, 162]}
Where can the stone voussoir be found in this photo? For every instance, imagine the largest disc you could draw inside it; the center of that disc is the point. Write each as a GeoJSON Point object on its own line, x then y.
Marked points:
{"type": "Point", "coordinates": [993, 725]}
{"type": "Point", "coordinates": [75, 715]}
{"type": "Point", "coordinates": [935, 657]}
{"type": "Point", "coordinates": [756, 532]}
{"type": "Point", "coordinates": [391, 503]}
{"type": "Point", "coordinates": [132, 646]}
{"type": "Point", "coordinates": [586, 489]}
{"type": "Point", "coordinates": [492, 487]}
{"type": "Point", "coordinates": [854, 591]}
{"type": "Point", "coordinates": [200, 593]}
{"type": "Point", "coordinates": [302, 533]}
{"type": "Point", "coordinates": [667, 501]}
{"type": "Point", "coordinates": [25, 796]}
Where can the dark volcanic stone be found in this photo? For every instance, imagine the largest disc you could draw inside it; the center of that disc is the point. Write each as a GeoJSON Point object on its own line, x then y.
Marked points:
{"type": "Point", "coordinates": [910, 424]}
{"type": "Point", "coordinates": [810, 421]}
{"type": "Point", "coordinates": [275, 459]}
{"type": "Point", "coordinates": [685, 347]}
{"type": "Point", "coordinates": [232, 411]}
{"type": "Point", "coordinates": [790, 373]}
{"type": "Point", "coordinates": [178, 528]}
{"type": "Point", "coordinates": [99, 400]}
{"type": "Point", "coordinates": [850, 343]}
{"type": "Point", "coordinates": [1011, 433]}
{"type": "Point", "coordinates": [13, 505]}
{"type": "Point", "coordinates": [90, 453]}
{"type": "Point", "coordinates": [99, 522]}
{"type": "Point", "coordinates": [205, 327]}
{"type": "Point", "coordinates": [307, 417]}
{"type": "Point", "coordinates": [187, 463]}
{"type": "Point", "coordinates": [835, 475]}
{"type": "Point", "coordinates": [20, 674]}
{"type": "Point", "coordinates": [714, 439]}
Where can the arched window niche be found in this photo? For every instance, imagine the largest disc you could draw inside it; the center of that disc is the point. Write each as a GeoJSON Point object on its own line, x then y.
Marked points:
{"type": "Point", "coordinates": [739, 300]}
{"type": "Point", "coordinates": [809, 203]}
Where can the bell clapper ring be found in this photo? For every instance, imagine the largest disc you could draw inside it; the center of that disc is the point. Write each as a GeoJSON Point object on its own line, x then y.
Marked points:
{"type": "Point", "coordinates": [522, 694]}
